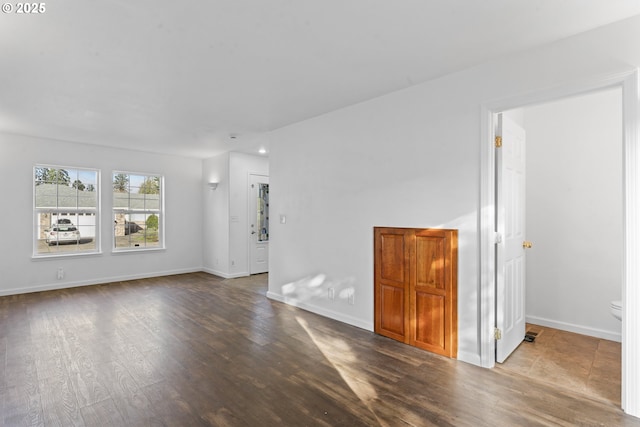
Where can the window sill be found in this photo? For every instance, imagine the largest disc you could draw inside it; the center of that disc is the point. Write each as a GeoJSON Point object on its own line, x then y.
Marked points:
{"type": "Point", "coordinates": [65, 255]}
{"type": "Point", "coordinates": [135, 250]}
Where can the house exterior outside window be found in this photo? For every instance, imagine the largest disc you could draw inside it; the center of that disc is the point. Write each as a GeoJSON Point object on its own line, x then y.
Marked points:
{"type": "Point", "coordinates": [66, 211]}
{"type": "Point", "coordinates": [138, 217]}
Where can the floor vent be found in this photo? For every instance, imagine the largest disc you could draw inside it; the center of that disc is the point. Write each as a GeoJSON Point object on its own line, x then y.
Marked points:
{"type": "Point", "coordinates": [530, 336]}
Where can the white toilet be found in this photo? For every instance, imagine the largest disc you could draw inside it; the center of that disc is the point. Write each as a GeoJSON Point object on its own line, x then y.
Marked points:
{"type": "Point", "coordinates": [616, 309]}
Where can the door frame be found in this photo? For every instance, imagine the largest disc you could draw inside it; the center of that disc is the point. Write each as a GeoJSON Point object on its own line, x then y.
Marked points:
{"type": "Point", "coordinates": [629, 83]}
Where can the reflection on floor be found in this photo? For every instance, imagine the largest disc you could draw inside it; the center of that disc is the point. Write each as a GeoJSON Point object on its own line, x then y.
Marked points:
{"type": "Point", "coordinates": [578, 362]}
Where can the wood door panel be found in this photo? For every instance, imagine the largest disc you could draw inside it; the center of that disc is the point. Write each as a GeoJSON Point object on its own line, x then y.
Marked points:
{"type": "Point", "coordinates": [391, 278]}
{"type": "Point", "coordinates": [430, 262]}
{"type": "Point", "coordinates": [392, 254]}
{"type": "Point", "coordinates": [392, 311]}
{"type": "Point", "coordinates": [415, 280]}
{"type": "Point", "coordinates": [430, 321]}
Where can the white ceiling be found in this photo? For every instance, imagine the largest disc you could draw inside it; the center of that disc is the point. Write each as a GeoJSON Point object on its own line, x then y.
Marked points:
{"type": "Point", "coordinates": [180, 77]}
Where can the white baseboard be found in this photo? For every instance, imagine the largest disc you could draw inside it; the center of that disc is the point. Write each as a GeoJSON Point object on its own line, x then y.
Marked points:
{"type": "Point", "coordinates": [578, 329]}
{"type": "Point", "coordinates": [341, 317]}
{"type": "Point", "coordinates": [100, 281]}
{"type": "Point", "coordinates": [471, 358]}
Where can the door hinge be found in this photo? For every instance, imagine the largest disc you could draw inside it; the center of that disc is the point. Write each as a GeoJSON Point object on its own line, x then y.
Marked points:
{"type": "Point", "coordinates": [498, 141]}
{"type": "Point", "coordinates": [498, 238]}
{"type": "Point", "coordinates": [497, 334]}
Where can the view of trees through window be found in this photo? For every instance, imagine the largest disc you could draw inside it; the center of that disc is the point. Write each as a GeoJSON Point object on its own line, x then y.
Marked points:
{"type": "Point", "coordinates": [137, 211]}
{"type": "Point", "coordinates": [65, 209]}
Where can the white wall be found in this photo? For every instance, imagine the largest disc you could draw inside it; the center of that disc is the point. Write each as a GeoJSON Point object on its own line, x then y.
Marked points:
{"type": "Point", "coordinates": [21, 273]}
{"type": "Point", "coordinates": [226, 213]}
{"type": "Point", "coordinates": [410, 158]}
{"type": "Point", "coordinates": [216, 216]}
{"type": "Point", "coordinates": [574, 213]}
{"type": "Point", "coordinates": [403, 160]}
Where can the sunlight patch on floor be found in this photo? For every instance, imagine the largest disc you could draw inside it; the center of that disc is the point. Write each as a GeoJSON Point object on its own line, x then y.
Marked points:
{"type": "Point", "coordinates": [339, 354]}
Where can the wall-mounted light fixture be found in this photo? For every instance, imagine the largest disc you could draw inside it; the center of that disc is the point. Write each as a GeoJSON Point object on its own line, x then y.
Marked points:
{"type": "Point", "coordinates": [213, 185]}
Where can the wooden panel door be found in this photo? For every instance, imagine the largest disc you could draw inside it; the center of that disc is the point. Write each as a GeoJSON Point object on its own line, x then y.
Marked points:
{"type": "Point", "coordinates": [415, 287]}
{"type": "Point", "coordinates": [392, 275]}
{"type": "Point", "coordinates": [432, 296]}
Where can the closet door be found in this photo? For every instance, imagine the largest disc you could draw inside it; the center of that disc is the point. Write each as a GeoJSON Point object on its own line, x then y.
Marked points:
{"type": "Point", "coordinates": [432, 301]}
{"type": "Point", "coordinates": [416, 287]}
{"type": "Point", "coordinates": [392, 275]}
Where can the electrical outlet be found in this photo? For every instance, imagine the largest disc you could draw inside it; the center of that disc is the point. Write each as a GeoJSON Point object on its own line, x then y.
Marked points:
{"type": "Point", "coordinates": [60, 273]}
{"type": "Point", "coordinates": [331, 293]}
{"type": "Point", "coordinates": [233, 262]}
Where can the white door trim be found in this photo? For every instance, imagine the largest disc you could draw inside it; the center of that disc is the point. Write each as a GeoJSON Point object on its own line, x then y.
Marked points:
{"type": "Point", "coordinates": [629, 82]}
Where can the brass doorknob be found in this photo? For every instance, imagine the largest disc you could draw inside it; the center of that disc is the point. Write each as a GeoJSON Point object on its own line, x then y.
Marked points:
{"type": "Point", "coordinates": [527, 245]}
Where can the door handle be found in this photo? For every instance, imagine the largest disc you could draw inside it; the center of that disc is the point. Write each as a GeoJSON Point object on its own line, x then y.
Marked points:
{"type": "Point", "coordinates": [253, 232]}
{"type": "Point", "coordinates": [527, 245]}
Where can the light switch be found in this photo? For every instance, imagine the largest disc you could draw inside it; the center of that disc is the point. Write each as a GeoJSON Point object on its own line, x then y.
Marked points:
{"type": "Point", "coordinates": [283, 219]}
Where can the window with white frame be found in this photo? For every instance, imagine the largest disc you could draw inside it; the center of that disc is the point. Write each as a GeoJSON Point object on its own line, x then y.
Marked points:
{"type": "Point", "coordinates": [65, 210]}
{"type": "Point", "coordinates": [137, 211]}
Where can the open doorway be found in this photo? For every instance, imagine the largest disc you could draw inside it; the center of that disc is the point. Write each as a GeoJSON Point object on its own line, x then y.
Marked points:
{"type": "Point", "coordinates": [574, 215]}
{"type": "Point", "coordinates": [628, 81]}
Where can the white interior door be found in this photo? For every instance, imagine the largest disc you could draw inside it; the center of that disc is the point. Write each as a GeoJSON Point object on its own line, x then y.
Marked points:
{"type": "Point", "coordinates": [258, 224]}
{"type": "Point", "coordinates": [510, 247]}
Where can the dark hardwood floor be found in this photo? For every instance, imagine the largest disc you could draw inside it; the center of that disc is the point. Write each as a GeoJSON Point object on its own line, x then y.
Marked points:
{"type": "Point", "coordinates": [196, 350]}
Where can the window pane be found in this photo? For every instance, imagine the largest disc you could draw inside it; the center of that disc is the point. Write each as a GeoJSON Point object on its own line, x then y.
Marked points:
{"type": "Point", "coordinates": [66, 196]}
{"type": "Point", "coordinates": [87, 200]}
{"type": "Point", "coordinates": [152, 237]}
{"type": "Point", "coordinates": [136, 230]}
{"type": "Point", "coordinates": [136, 201]}
{"type": "Point", "coordinates": [120, 183]}
{"type": "Point", "coordinates": [89, 180]}
{"type": "Point", "coordinates": [66, 201]}
{"type": "Point", "coordinates": [136, 211]}
{"type": "Point", "coordinates": [46, 196]}
{"type": "Point", "coordinates": [135, 181]}
{"type": "Point", "coordinates": [65, 233]}
{"type": "Point", "coordinates": [152, 202]}
{"type": "Point", "coordinates": [121, 200]}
